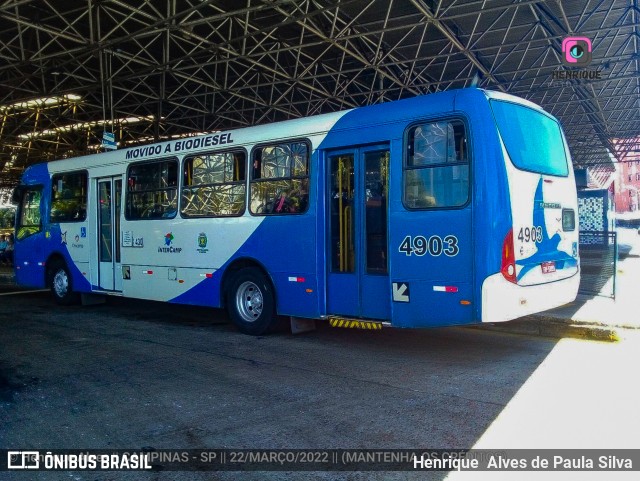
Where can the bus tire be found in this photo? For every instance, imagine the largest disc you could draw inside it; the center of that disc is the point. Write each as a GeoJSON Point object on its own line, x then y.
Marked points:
{"type": "Point", "coordinates": [251, 302]}
{"type": "Point", "coordinates": [61, 284]}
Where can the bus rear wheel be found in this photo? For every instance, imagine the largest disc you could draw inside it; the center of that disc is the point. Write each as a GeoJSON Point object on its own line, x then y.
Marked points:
{"type": "Point", "coordinates": [251, 302]}
{"type": "Point", "coordinates": [60, 283]}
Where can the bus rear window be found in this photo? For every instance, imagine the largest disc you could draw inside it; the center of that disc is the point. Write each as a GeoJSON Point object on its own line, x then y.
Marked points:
{"type": "Point", "coordinates": [533, 140]}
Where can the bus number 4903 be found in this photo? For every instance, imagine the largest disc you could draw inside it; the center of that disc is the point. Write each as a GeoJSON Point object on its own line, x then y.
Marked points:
{"type": "Point", "coordinates": [530, 234]}
{"type": "Point", "coordinates": [435, 245]}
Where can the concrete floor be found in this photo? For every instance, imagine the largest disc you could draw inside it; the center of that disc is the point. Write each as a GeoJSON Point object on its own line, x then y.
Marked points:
{"type": "Point", "coordinates": [133, 374]}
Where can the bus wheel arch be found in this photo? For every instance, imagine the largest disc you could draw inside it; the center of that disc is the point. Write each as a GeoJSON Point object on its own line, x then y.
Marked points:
{"type": "Point", "coordinates": [60, 281]}
{"type": "Point", "coordinates": [249, 296]}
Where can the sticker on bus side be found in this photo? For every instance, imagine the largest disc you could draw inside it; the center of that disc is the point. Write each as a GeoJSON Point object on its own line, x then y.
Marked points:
{"type": "Point", "coordinates": [530, 234]}
{"type": "Point", "coordinates": [434, 245]}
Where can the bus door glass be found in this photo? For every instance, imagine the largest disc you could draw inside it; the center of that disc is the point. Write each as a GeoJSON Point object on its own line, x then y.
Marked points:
{"type": "Point", "coordinates": [357, 280]}
{"type": "Point", "coordinates": [28, 250]}
{"type": "Point", "coordinates": [109, 209]}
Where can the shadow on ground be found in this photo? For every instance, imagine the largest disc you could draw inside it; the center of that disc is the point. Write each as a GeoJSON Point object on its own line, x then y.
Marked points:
{"type": "Point", "coordinates": [133, 374]}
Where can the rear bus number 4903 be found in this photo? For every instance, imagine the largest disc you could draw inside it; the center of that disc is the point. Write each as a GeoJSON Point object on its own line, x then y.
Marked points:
{"type": "Point", "coordinates": [435, 245]}
{"type": "Point", "coordinates": [530, 234]}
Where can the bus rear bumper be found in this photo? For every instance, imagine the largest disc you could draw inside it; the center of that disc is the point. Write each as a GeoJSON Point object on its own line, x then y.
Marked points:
{"type": "Point", "coordinates": [504, 301]}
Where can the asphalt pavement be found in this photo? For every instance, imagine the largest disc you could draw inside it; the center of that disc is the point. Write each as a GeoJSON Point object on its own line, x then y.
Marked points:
{"type": "Point", "coordinates": [134, 374]}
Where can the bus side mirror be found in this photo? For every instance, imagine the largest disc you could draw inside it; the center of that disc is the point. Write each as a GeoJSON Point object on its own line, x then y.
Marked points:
{"type": "Point", "coordinates": [16, 196]}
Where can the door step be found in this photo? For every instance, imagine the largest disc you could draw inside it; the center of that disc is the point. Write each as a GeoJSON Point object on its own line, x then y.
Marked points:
{"type": "Point", "coordinates": [354, 323]}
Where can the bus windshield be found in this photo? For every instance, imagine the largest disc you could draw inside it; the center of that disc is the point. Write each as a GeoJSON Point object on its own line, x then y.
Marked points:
{"type": "Point", "coordinates": [533, 140]}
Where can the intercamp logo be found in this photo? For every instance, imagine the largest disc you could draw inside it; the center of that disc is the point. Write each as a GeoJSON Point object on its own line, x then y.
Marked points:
{"type": "Point", "coordinates": [23, 460]}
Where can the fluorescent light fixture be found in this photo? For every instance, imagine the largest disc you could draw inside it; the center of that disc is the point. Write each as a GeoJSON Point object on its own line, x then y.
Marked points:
{"type": "Point", "coordinates": [41, 102]}
{"type": "Point", "coordinates": [85, 126]}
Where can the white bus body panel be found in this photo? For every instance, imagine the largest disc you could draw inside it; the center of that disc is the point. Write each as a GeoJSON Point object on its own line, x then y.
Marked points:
{"type": "Point", "coordinates": [536, 200]}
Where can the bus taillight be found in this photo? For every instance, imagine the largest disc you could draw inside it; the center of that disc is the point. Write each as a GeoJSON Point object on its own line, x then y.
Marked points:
{"type": "Point", "coordinates": [508, 267]}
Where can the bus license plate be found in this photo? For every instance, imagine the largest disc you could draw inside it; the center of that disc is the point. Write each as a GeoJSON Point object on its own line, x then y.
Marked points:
{"type": "Point", "coordinates": [548, 267]}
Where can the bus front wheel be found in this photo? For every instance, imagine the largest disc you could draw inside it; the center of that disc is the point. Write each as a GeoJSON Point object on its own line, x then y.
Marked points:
{"type": "Point", "coordinates": [251, 302]}
{"type": "Point", "coordinates": [61, 286]}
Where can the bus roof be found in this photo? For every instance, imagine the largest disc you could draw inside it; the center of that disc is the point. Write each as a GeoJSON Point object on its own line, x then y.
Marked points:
{"type": "Point", "coordinates": [388, 112]}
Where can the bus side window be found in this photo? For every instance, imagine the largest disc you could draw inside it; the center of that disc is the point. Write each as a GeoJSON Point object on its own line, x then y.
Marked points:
{"type": "Point", "coordinates": [214, 185]}
{"type": "Point", "coordinates": [436, 171]}
{"type": "Point", "coordinates": [152, 190]}
{"type": "Point", "coordinates": [29, 221]}
{"type": "Point", "coordinates": [69, 197]}
{"type": "Point", "coordinates": [280, 179]}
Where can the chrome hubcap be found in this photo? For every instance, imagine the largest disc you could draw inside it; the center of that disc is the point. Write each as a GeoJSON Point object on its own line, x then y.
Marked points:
{"type": "Point", "coordinates": [249, 301]}
{"type": "Point", "coordinates": [61, 283]}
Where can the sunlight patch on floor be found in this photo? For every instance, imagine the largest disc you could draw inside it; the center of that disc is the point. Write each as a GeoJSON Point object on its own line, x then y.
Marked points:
{"type": "Point", "coordinates": [584, 395]}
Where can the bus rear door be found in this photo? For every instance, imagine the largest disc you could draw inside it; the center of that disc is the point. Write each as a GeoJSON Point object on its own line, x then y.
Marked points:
{"type": "Point", "coordinates": [357, 190]}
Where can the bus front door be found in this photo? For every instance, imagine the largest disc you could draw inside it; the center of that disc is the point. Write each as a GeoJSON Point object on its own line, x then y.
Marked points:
{"type": "Point", "coordinates": [109, 211]}
{"type": "Point", "coordinates": [358, 274]}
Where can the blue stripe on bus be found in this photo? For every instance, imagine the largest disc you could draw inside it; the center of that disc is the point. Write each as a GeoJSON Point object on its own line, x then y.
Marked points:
{"type": "Point", "coordinates": [281, 259]}
{"type": "Point", "coordinates": [80, 282]}
{"type": "Point", "coordinates": [547, 250]}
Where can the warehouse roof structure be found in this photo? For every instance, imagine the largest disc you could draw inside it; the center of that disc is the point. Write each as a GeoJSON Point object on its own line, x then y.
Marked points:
{"type": "Point", "coordinates": [156, 69]}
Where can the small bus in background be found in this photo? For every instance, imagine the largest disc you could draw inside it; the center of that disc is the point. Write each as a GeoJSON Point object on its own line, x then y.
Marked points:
{"type": "Point", "coordinates": [446, 209]}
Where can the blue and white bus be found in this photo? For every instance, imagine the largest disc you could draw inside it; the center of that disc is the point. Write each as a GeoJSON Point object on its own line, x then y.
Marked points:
{"type": "Point", "coordinates": [453, 208]}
